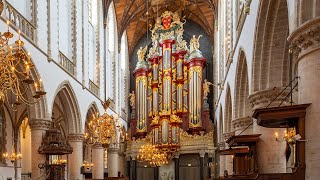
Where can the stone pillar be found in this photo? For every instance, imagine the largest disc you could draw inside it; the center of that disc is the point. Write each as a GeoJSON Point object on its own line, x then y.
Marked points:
{"type": "Point", "coordinates": [176, 166]}
{"type": "Point", "coordinates": [221, 146]}
{"type": "Point", "coordinates": [240, 124]}
{"type": "Point", "coordinates": [133, 168]}
{"type": "Point", "coordinates": [98, 162]}
{"type": "Point", "coordinates": [270, 153]}
{"type": "Point", "coordinates": [113, 161]}
{"type": "Point", "coordinates": [228, 165]}
{"type": "Point", "coordinates": [202, 166]}
{"type": "Point", "coordinates": [305, 45]}
{"type": "Point", "coordinates": [75, 159]}
{"type": "Point", "coordinates": [38, 129]}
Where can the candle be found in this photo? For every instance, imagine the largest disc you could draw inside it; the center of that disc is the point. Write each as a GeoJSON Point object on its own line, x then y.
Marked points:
{"type": "Point", "coordinates": [19, 35]}
{"type": "Point", "coordinates": [8, 22]}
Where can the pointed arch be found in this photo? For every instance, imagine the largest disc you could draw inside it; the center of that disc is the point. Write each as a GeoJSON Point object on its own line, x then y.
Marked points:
{"type": "Point", "coordinates": [270, 58]}
{"type": "Point", "coordinates": [242, 105]}
{"type": "Point", "coordinates": [228, 111]}
{"type": "Point", "coordinates": [66, 102]}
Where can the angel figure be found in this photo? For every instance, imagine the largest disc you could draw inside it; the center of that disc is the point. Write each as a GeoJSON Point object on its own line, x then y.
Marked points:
{"type": "Point", "coordinates": [194, 43]}
{"type": "Point", "coordinates": [141, 53]}
{"type": "Point", "coordinates": [132, 97]}
{"type": "Point", "coordinates": [206, 88]}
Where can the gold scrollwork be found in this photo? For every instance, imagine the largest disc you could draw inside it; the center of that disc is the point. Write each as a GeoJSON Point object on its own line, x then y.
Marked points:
{"type": "Point", "coordinates": [197, 69]}
{"type": "Point", "coordinates": [143, 79]}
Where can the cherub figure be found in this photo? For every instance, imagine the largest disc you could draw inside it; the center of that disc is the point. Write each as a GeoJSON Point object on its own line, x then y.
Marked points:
{"type": "Point", "coordinates": [132, 97]}
{"type": "Point", "coordinates": [206, 88]}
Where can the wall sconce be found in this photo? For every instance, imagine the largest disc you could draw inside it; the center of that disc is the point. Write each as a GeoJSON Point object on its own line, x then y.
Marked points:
{"type": "Point", "coordinates": [289, 136]}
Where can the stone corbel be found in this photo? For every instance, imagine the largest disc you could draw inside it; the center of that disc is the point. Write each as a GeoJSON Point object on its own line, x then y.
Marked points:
{"type": "Point", "coordinates": [305, 39]}
{"type": "Point", "coordinates": [39, 124]}
{"type": "Point", "coordinates": [241, 123]}
{"type": "Point", "coordinates": [75, 137]}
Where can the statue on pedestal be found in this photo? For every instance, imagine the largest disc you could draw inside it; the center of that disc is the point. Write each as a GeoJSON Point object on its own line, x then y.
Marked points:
{"type": "Point", "coordinates": [194, 43]}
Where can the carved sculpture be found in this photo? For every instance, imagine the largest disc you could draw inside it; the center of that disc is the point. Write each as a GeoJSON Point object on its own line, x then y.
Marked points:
{"type": "Point", "coordinates": [194, 43]}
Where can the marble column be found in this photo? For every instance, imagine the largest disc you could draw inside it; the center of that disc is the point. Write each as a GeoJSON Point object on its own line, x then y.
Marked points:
{"type": "Point", "coordinates": [98, 162]}
{"type": "Point", "coordinates": [305, 46]}
{"type": "Point", "coordinates": [113, 161]}
{"type": "Point", "coordinates": [75, 159]}
{"type": "Point", "coordinates": [270, 153]}
{"type": "Point", "coordinates": [38, 129]}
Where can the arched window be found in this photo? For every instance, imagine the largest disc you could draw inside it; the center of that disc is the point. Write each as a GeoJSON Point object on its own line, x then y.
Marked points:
{"type": "Point", "coordinates": [111, 54]}
{"type": "Point", "coordinates": [124, 71]}
{"type": "Point", "coordinates": [94, 25]}
{"type": "Point", "coordinates": [65, 25]}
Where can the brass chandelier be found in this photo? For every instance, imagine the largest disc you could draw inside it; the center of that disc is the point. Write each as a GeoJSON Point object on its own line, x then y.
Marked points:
{"type": "Point", "coordinates": [15, 72]}
{"type": "Point", "coordinates": [150, 154]}
{"type": "Point", "coordinates": [101, 129]}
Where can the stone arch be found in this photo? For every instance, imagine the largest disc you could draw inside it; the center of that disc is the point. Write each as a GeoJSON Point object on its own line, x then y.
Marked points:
{"type": "Point", "coordinates": [242, 105]}
{"type": "Point", "coordinates": [270, 59]}
{"type": "Point", "coordinates": [228, 112]}
{"type": "Point", "coordinates": [66, 105]}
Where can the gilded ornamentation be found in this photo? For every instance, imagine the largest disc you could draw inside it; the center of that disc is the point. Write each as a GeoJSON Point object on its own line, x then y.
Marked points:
{"type": "Point", "coordinates": [197, 69]}
{"type": "Point", "coordinates": [206, 88]}
{"type": "Point", "coordinates": [141, 53]}
{"type": "Point", "coordinates": [143, 79]}
{"type": "Point", "coordinates": [132, 97]}
{"type": "Point", "coordinates": [194, 43]}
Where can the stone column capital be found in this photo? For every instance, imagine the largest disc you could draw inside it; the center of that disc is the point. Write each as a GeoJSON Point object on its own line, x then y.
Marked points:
{"type": "Point", "coordinates": [221, 145]}
{"type": "Point", "coordinates": [97, 146]}
{"type": "Point", "coordinates": [113, 150]}
{"type": "Point", "coordinates": [227, 135]}
{"type": "Point", "coordinates": [261, 99]}
{"type": "Point", "coordinates": [75, 137]}
{"type": "Point", "coordinates": [241, 123]}
{"type": "Point", "coordinates": [306, 38]}
{"type": "Point", "coordinates": [202, 153]}
{"type": "Point", "coordinates": [39, 124]}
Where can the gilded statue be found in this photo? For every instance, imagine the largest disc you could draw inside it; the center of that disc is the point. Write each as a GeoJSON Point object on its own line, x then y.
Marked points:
{"type": "Point", "coordinates": [206, 88]}
{"type": "Point", "coordinates": [132, 97]}
{"type": "Point", "coordinates": [194, 43]}
{"type": "Point", "coordinates": [141, 53]}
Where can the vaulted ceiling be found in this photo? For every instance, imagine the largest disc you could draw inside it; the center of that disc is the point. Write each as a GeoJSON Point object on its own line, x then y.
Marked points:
{"type": "Point", "coordinates": [132, 15]}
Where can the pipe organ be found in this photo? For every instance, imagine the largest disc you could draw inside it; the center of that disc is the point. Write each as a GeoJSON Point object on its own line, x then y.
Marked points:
{"type": "Point", "coordinates": [169, 85]}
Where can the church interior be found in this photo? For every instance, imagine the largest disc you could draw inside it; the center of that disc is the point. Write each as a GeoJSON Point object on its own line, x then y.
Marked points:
{"type": "Point", "coordinates": [159, 89]}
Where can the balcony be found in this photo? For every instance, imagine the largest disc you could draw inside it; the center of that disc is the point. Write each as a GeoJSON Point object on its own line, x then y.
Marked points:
{"type": "Point", "coordinates": [95, 89]}
{"type": "Point", "coordinates": [18, 20]}
{"type": "Point", "coordinates": [67, 64]}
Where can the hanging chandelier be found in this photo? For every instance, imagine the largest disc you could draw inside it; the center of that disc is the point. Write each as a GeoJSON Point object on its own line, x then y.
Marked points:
{"type": "Point", "coordinates": [101, 129]}
{"type": "Point", "coordinates": [15, 72]}
{"type": "Point", "coordinates": [13, 156]}
{"type": "Point", "coordinates": [153, 156]}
